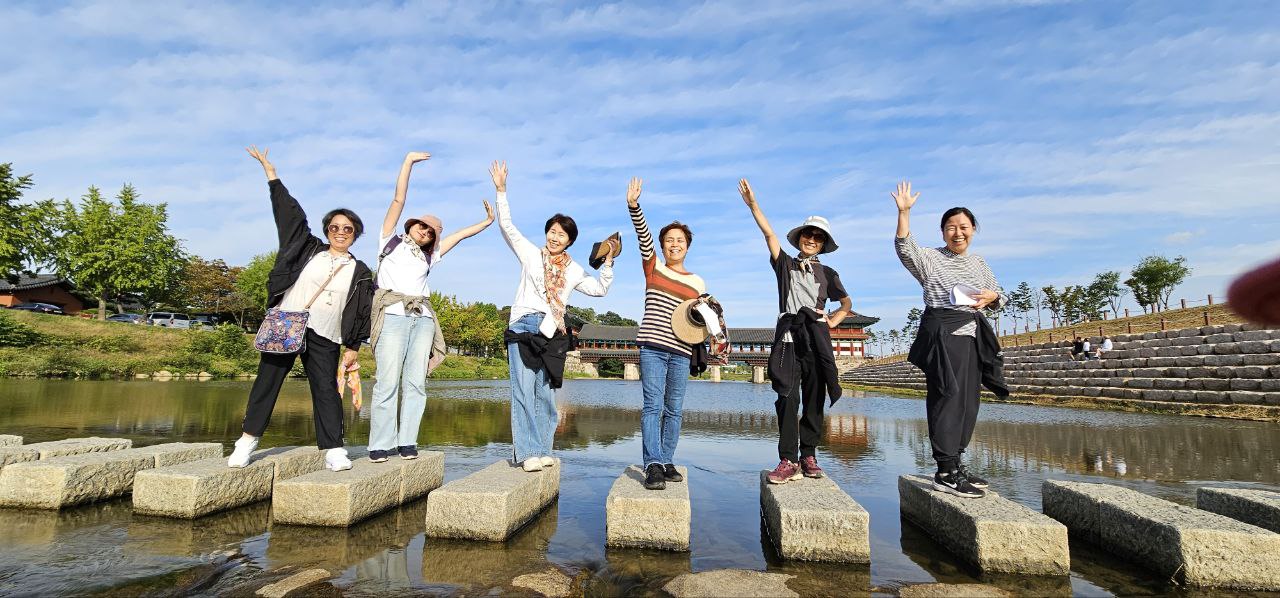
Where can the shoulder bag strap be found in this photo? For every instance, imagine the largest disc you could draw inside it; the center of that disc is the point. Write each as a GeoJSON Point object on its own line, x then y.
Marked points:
{"type": "Point", "coordinates": [324, 284]}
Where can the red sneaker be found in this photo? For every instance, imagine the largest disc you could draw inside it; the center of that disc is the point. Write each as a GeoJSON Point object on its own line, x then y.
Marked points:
{"type": "Point", "coordinates": [809, 465]}
{"type": "Point", "coordinates": [786, 471]}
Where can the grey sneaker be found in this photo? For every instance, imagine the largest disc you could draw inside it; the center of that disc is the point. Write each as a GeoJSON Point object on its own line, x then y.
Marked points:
{"type": "Point", "coordinates": [655, 478]}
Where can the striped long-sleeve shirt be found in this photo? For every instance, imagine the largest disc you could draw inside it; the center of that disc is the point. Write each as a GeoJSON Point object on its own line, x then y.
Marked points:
{"type": "Point", "coordinates": [664, 289]}
{"type": "Point", "coordinates": [939, 270]}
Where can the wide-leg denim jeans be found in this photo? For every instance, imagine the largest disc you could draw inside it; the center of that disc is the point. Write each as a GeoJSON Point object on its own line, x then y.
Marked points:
{"type": "Point", "coordinates": [663, 378]}
{"type": "Point", "coordinates": [403, 347]}
{"type": "Point", "coordinates": [533, 401]}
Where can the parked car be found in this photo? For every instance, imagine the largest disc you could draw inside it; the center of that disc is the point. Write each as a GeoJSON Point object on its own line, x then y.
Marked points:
{"type": "Point", "coordinates": [44, 308]}
{"type": "Point", "coordinates": [128, 318]}
{"type": "Point", "coordinates": [168, 319]}
{"type": "Point", "coordinates": [205, 321]}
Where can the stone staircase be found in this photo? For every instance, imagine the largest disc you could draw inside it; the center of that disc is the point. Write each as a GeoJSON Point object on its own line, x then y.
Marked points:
{"type": "Point", "coordinates": [1229, 364]}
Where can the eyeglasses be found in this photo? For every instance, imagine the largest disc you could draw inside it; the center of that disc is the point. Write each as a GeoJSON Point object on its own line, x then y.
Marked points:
{"type": "Point", "coordinates": [344, 229]}
{"type": "Point", "coordinates": [816, 235]}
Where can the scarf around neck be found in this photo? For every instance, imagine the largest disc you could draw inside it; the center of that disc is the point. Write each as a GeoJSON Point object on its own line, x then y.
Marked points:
{"type": "Point", "coordinates": [553, 271]}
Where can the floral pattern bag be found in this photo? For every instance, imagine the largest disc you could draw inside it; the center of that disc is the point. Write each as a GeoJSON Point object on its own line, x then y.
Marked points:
{"type": "Point", "coordinates": [285, 331]}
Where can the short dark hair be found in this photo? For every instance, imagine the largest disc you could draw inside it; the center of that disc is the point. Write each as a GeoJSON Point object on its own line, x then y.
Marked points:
{"type": "Point", "coordinates": [355, 221]}
{"type": "Point", "coordinates": [570, 227]}
{"type": "Point", "coordinates": [953, 211]}
{"type": "Point", "coordinates": [676, 224]}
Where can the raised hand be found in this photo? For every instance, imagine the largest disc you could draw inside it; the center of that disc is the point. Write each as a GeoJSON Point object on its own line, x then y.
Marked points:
{"type": "Point", "coordinates": [261, 157]}
{"type": "Point", "coordinates": [903, 196]}
{"type": "Point", "coordinates": [488, 212]}
{"type": "Point", "coordinates": [633, 191]}
{"type": "Point", "coordinates": [498, 171]}
{"type": "Point", "coordinates": [415, 157]}
{"type": "Point", "coordinates": [748, 196]}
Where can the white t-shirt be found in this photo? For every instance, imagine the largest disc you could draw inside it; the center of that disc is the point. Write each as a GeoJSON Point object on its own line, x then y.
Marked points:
{"type": "Point", "coordinates": [404, 270]}
{"type": "Point", "coordinates": [326, 312]}
{"type": "Point", "coordinates": [1087, 346]}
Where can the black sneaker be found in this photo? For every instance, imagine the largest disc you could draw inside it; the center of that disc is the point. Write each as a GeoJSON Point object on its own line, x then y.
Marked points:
{"type": "Point", "coordinates": [378, 456]}
{"type": "Point", "coordinates": [408, 452]}
{"type": "Point", "coordinates": [654, 478]}
{"type": "Point", "coordinates": [955, 483]}
{"type": "Point", "coordinates": [974, 480]}
{"type": "Point", "coordinates": [670, 474]}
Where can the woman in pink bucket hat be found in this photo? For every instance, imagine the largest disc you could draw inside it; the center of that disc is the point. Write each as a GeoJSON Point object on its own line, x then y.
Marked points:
{"type": "Point", "coordinates": [405, 334]}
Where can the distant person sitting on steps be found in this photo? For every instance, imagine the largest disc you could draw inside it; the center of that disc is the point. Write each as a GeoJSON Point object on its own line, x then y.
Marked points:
{"type": "Point", "coordinates": [1077, 349]}
{"type": "Point", "coordinates": [1085, 347]}
{"type": "Point", "coordinates": [1104, 347]}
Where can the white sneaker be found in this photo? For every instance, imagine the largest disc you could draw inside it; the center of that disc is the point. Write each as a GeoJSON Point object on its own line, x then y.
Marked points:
{"type": "Point", "coordinates": [335, 459]}
{"type": "Point", "coordinates": [548, 462]}
{"type": "Point", "coordinates": [240, 455]}
{"type": "Point", "coordinates": [533, 464]}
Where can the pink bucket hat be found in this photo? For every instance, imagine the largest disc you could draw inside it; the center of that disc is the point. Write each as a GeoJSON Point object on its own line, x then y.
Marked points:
{"type": "Point", "coordinates": [428, 221]}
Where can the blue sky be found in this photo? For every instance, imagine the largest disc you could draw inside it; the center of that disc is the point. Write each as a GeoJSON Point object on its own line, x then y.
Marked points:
{"type": "Point", "coordinates": [1084, 135]}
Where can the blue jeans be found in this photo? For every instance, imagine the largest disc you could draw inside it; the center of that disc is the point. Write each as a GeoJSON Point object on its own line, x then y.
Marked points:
{"type": "Point", "coordinates": [403, 347]}
{"type": "Point", "coordinates": [663, 378]}
{"type": "Point", "coordinates": [533, 401]}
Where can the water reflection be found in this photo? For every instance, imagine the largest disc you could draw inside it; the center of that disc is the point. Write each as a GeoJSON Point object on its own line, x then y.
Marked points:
{"type": "Point", "coordinates": [729, 436]}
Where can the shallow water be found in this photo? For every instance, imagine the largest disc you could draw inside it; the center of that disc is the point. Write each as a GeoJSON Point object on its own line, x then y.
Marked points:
{"type": "Point", "coordinates": [729, 435]}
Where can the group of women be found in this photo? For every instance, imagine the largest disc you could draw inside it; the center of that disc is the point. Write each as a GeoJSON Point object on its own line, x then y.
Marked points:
{"type": "Point", "coordinates": [348, 304]}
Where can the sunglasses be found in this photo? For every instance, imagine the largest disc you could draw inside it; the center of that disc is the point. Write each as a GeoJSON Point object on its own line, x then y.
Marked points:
{"type": "Point", "coordinates": [816, 235]}
{"type": "Point", "coordinates": [344, 229]}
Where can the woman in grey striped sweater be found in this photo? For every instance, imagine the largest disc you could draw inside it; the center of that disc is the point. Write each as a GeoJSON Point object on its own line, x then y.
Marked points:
{"type": "Point", "coordinates": [956, 347]}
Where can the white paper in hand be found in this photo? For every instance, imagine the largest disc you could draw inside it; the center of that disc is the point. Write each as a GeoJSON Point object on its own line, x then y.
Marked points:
{"type": "Point", "coordinates": [963, 294]}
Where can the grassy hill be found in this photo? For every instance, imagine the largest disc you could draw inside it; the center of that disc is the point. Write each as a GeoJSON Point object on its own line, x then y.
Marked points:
{"type": "Point", "coordinates": [69, 347]}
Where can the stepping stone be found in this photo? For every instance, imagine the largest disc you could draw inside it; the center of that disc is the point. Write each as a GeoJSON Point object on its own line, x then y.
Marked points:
{"type": "Point", "coordinates": [197, 488]}
{"type": "Point", "coordinates": [297, 581]}
{"type": "Point", "coordinates": [18, 453]}
{"type": "Point", "coordinates": [814, 520]}
{"type": "Point", "coordinates": [10, 440]}
{"type": "Point", "coordinates": [59, 482]}
{"type": "Point", "coordinates": [1255, 507]}
{"type": "Point", "coordinates": [730, 582]}
{"type": "Point", "coordinates": [341, 498]}
{"type": "Point", "coordinates": [993, 533]}
{"type": "Point", "coordinates": [1189, 545]}
{"type": "Point", "coordinates": [636, 517]}
{"type": "Point", "coordinates": [491, 504]}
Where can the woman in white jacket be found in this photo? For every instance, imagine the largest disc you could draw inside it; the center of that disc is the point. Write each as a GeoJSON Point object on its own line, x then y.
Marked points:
{"type": "Point", "coordinates": [536, 337]}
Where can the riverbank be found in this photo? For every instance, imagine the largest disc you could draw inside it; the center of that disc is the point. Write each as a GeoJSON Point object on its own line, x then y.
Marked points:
{"type": "Point", "coordinates": [47, 346]}
{"type": "Point", "coordinates": [1263, 413]}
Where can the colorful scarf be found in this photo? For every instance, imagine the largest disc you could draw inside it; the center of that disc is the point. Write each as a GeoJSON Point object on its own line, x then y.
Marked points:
{"type": "Point", "coordinates": [553, 271]}
{"type": "Point", "coordinates": [352, 381]}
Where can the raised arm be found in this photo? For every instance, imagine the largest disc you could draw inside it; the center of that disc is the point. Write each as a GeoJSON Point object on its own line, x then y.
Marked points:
{"type": "Point", "coordinates": [749, 198]}
{"type": "Point", "coordinates": [402, 189]}
{"type": "Point", "coordinates": [498, 171]}
{"type": "Point", "coordinates": [598, 288]}
{"type": "Point", "coordinates": [909, 252]}
{"type": "Point", "coordinates": [452, 240]}
{"type": "Point", "coordinates": [291, 220]}
{"type": "Point", "coordinates": [637, 220]}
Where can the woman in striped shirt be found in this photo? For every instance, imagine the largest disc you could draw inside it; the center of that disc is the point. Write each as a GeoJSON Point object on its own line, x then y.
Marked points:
{"type": "Point", "coordinates": [664, 359]}
{"type": "Point", "coordinates": [955, 346]}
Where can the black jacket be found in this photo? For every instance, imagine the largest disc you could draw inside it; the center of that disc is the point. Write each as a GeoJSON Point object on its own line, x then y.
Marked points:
{"type": "Point", "coordinates": [297, 247]}
{"type": "Point", "coordinates": [808, 334]}
{"type": "Point", "coordinates": [929, 353]}
{"type": "Point", "coordinates": [539, 352]}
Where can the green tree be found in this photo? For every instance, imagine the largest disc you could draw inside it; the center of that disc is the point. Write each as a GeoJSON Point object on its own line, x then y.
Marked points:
{"type": "Point", "coordinates": [250, 297]}
{"type": "Point", "coordinates": [1021, 302]}
{"type": "Point", "coordinates": [586, 314]}
{"type": "Point", "coordinates": [1106, 286]}
{"type": "Point", "coordinates": [206, 285]}
{"type": "Point", "coordinates": [612, 319]}
{"type": "Point", "coordinates": [1154, 279]}
{"type": "Point", "coordinates": [27, 235]}
{"type": "Point", "coordinates": [913, 323]}
{"type": "Point", "coordinates": [1053, 303]}
{"type": "Point", "coordinates": [108, 249]}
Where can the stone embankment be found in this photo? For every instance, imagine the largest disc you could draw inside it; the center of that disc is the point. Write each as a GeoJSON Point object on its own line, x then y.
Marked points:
{"type": "Point", "coordinates": [57, 482]}
{"type": "Point", "coordinates": [1235, 364]}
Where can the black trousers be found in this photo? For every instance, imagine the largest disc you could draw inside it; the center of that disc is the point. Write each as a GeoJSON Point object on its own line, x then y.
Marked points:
{"type": "Point", "coordinates": [321, 362]}
{"type": "Point", "coordinates": [796, 427]}
{"type": "Point", "coordinates": [952, 417]}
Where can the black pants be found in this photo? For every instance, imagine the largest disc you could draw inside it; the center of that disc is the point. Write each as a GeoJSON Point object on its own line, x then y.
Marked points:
{"type": "Point", "coordinates": [321, 362]}
{"type": "Point", "coordinates": [952, 417]}
{"type": "Point", "coordinates": [794, 427]}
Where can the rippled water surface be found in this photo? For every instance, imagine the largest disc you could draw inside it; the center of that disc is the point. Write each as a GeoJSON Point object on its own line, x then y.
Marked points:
{"type": "Point", "coordinates": [730, 434]}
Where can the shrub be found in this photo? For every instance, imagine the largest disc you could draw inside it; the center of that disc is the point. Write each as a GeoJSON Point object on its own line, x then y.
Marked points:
{"type": "Point", "coordinates": [16, 334]}
{"type": "Point", "coordinates": [116, 343]}
{"type": "Point", "coordinates": [231, 342]}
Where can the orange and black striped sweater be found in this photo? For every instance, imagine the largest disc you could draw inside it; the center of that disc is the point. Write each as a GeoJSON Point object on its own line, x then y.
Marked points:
{"type": "Point", "coordinates": [665, 289]}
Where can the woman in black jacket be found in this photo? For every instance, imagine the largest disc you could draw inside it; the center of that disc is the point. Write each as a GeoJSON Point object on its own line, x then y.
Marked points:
{"type": "Point", "coordinates": [955, 346]}
{"type": "Point", "coordinates": [336, 290]}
